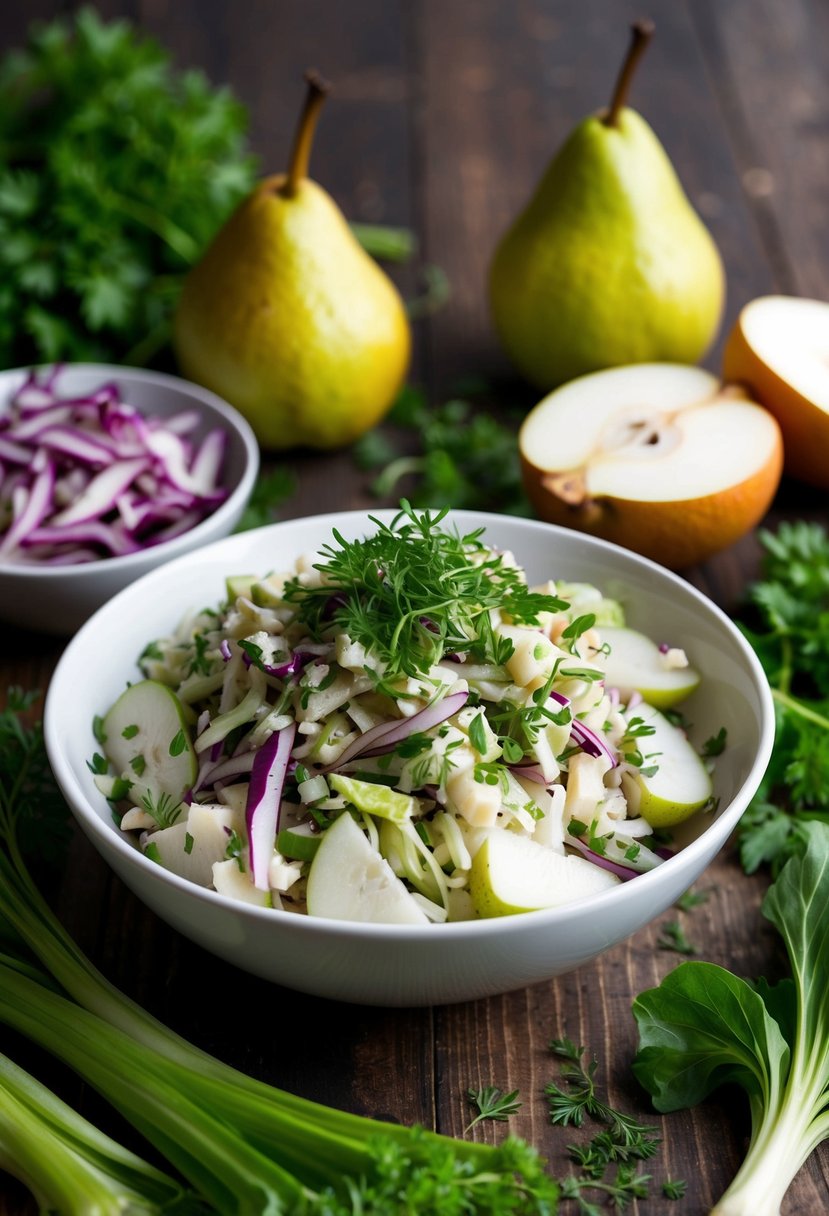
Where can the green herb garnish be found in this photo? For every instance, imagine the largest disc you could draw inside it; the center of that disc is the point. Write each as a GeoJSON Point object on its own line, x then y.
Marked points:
{"type": "Point", "coordinates": [492, 1103]}
{"type": "Point", "coordinates": [790, 633]}
{"type": "Point", "coordinates": [412, 592]}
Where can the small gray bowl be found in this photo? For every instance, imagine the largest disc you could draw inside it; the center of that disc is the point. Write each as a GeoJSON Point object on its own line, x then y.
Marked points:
{"type": "Point", "coordinates": [58, 599]}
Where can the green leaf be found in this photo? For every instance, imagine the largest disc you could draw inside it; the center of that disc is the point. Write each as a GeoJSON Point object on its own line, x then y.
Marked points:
{"type": "Point", "coordinates": [702, 1028]}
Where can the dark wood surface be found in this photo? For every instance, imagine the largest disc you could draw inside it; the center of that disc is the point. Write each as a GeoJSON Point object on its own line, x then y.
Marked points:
{"type": "Point", "coordinates": [445, 113]}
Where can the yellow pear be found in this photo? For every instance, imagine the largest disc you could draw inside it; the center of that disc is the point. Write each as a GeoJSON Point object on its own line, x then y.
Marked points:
{"type": "Point", "coordinates": [608, 264]}
{"type": "Point", "coordinates": [288, 318]}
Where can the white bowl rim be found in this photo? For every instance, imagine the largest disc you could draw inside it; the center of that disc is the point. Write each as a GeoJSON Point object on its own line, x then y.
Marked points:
{"type": "Point", "coordinates": [232, 418]}
{"type": "Point", "coordinates": [725, 821]}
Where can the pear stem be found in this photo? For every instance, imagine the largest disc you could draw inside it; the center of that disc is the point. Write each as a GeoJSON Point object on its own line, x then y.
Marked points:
{"type": "Point", "coordinates": [642, 32]}
{"type": "Point", "coordinates": [318, 90]}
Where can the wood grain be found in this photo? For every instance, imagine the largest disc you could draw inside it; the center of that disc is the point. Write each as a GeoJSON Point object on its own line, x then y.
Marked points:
{"type": "Point", "coordinates": [443, 117]}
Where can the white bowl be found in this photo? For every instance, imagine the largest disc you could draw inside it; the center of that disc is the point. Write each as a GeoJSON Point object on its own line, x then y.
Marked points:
{"type": "Point", "coordinates": [401, 964]}
{"type": "Point", "coordinates": [57, 599]}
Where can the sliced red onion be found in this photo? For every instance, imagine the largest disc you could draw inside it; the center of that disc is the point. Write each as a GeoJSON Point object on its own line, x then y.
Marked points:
{"type": "Point", "coordinates": [615, 867]}
{"type": "Point", "coordinates": [34, 511]}
{"type": "Point", "coordinates": [224, 650]}
{"type": "Point", "coordinates": [101, 493]}
{"type": "Point", "coordinates": [384, 737]}
{"type": "Point", "coordinates": [130, 481]}
{"type": "Point", "coordinates": [263, 801]}
{"type": "Point", "coordinates": [234, 766]}
{"type": "Point", "coordinates": [590, 742]}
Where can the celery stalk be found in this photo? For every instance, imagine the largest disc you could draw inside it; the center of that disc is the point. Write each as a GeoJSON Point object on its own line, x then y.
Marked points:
{"type": "Point", "coordinates": [69, 1165]}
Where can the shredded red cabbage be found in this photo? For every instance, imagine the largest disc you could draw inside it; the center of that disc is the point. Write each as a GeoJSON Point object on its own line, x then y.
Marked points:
{"type": "Point", "coordinates": [90, 477]}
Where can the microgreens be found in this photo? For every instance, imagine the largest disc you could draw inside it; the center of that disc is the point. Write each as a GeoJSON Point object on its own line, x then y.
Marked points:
{"type": "Point", "coordinates": [412, 592]}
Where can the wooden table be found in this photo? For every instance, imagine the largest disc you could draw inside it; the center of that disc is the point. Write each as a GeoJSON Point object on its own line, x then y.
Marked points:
{"type": "Point", "coordinates": [445, 112]}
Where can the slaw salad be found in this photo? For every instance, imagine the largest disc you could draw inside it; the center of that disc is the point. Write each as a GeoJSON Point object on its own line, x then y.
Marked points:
{"type": "Point", "coordinates": [401, 730]}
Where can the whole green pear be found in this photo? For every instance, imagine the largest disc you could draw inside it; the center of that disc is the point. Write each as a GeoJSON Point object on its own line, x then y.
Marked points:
{"type": "Point", "coordinates": [287, 317]}
{"type": "Point", "coordinates": [609, 263]}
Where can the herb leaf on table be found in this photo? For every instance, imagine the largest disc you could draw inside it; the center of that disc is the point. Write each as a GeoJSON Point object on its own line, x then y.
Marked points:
{"type": "Point", "coordinates": [492, 1103]}
{"type": "Point", "coordinates": [464, 458]}
{"type": "Point", "coordinates": [789, 630]}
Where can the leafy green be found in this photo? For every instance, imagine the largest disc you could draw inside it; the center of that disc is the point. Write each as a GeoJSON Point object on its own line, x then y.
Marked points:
{"type": "Point", "coordinates": [411, 592]}
{"type": "Point", "coordinates": [492, 1103]}
{"type": "Point", "coordinates": [115, 171]}
{"type": "Point", "coordinates": [465, 458]}
{"type": "Point", "coordinates": [704, 1027]}
{"type": "Point", "coordinates": [788, 626]}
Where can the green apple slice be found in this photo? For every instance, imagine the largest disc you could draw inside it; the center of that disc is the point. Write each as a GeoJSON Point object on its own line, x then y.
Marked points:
{"type": "Point", "coordinates": [147, 742]}
{"type": "Point", "coordinates": [511, 874]}
{"type": "Point", "coordinates": [635, 664]}
{"type": "Point", "coordinates": [681, 783]}
{"type": "Point", "coordinates": [349, 880]}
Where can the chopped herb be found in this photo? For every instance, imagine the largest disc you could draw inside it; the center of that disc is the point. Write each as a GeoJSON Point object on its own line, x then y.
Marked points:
{"type": "Point", "coordinates": [188, 842]}
{"type": "Point", "coordinates": [674, 1188]}
{"type": "Point", "coordinates": [715, 746]}
{"type": "Point", "coordinates": [234, 850]}
{"type": "Point", "coordinates": [98, 730]}
{"type": "Point", "coordinates": [178, 744]}
{"type": "Point", "coordinates": [163, 809]}
{"type": "Point", "coordinates": [151, 851]}
{"type": "Point", "coordinates": [673, 938]}
{"type": "Point", "coordinates": [138, 764]}
{"type": "Point", "coordinates": [691, 899]}
{"type": "Point", "coordinates": [477, 734]}
{"type": "Point", "coordinates": [98, 764]}
{"type": "Point", "coordinates": [492, 1103]}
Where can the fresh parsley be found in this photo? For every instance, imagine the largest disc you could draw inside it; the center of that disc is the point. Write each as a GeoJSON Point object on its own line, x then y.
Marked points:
{"type": "Point", "coordinates": [116, 170]}
{"type": "Point", "coordinates": [492, 1103]}
{"type": "Point", "coordinates": [413, 591]}
{"type": "Point", "coordinates": [466, 457]}
{"type": "Point", "coordinates": [787, 623]}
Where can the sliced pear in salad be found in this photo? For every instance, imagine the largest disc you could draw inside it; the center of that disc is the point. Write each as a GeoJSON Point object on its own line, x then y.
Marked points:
{"type": "Point", "coordinates": [146, 738]}
{"type": "Point", "coordinates": [637, 664]}
{"type": "Point", "coordinates": [672, 781]}
{"type": "Point", "coordinates": [511, 873]}
{"type": "Point", "coordinates": [349, 880]}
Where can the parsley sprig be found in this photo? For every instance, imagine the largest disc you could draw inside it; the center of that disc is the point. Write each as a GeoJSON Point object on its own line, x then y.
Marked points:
{"type": "Point", "coordinates": [787, 623]}
{"type": "Point", "coordinates": [492, 1103]}
{"type": "Point", "coordinates": [115, 172]}
{"type": "Point", "coordinates": [414, 591]}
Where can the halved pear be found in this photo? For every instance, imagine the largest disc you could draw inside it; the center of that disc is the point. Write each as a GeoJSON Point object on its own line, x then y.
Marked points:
{"type": "Point", "coordinates": [511, 874]}
{"type": "Point", "coordinates": [779, 349]}
{"type": "Point", "coordinates": [349, 880]}
{"type": "Point", "coordinates": [658, 457]}
{"type": "Point", "coordinates": [681, 783]}
{"type": "Point", "coordinates": [636, 664]}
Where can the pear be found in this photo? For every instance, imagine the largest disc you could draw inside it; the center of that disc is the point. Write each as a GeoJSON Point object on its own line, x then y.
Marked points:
{"type": "Point", "coordinates": [512, 874]}
{"type": "Point", "coordinates": [609, 264]}
{"type": "Point", "coordinates": [288, 318]}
